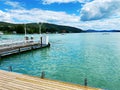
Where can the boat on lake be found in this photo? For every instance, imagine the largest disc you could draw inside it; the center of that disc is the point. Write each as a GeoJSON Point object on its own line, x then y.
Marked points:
{"type": "Point", "coordinates": [105, 33]}
{"type": "Point", "coordinates": [1, 33]}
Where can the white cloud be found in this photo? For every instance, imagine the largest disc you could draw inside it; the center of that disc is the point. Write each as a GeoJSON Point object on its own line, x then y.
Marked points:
{"type": "Point", "coordinates": [5, 16]}
{"type": "Point", "coordinates": [37, 15]}
{"type": "Point", "coordinates": [62, 18]}
{"type": "Point", "coordinates": [63, 1]}
{"type": "Point", "coordinates": [106, 24]}
{"type": "Point", "coordinates": [13, 4]}
{"type": "Point", "coordinates": [18, 15]}
{"type": "Point", "coordinates": [99, 9]}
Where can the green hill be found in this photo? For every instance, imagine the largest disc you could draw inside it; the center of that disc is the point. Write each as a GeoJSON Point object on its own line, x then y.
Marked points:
{"type": "Point", "coordinates": [34, 28]}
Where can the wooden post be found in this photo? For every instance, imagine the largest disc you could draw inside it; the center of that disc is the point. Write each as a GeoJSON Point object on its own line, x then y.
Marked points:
{"type": "Point", "coordinates": [10, 68]}
{"type": "Point", "coordinates": [48, 44]}
{"type": "Point", "coordinates": [85, 82]}
{"type": "Point", "coordinates": [42, 75]}
{"type": "Point", "coordinates": [41, 41]}
{"type": "Point", "coordinates": [0, 57]}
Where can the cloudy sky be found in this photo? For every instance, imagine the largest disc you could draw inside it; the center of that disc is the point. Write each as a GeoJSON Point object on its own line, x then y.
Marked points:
{"type": "Point", "coordinates": [84, 14]}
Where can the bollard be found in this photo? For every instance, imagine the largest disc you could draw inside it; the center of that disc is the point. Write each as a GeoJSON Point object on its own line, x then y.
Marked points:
{"type": "Point", "coordinates": [42, 75]}
{"type": "Point", "coordinates": [85, 82]}
{"type": "Point", "coordinates": [10, 68]}
{"type": "Point", "coordinates": [41, 41]}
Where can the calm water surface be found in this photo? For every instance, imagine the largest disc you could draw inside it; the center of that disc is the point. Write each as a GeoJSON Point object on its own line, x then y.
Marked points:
{"type": "Point", "coordinates": [71, 58]}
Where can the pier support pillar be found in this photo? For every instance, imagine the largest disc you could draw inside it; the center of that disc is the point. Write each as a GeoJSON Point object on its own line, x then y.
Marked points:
{"type": "Point", "coordinates": [19, 50]}
{"type": "Point", "coordinates": [31, 47]}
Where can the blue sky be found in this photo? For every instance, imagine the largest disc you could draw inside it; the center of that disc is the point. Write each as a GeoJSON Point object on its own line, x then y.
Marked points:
{"type": "Point", "coordinates": [84, 14]}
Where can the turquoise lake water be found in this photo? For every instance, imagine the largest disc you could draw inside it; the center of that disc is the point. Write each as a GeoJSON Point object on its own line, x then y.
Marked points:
{"type": "Point", "coordinates": [72, 58]}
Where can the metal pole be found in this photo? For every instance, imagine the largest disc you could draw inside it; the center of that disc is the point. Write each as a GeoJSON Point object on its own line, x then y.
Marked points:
{"type": "Point", "coordinates": [40, 27]}
{"type": "Point", "coordinates": [25, 29]}
{"type": "Point", "coordinates": [25, 33]}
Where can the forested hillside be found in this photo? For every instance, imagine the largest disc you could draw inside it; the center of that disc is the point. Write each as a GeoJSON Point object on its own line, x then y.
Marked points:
{"type": "Point", "coordinates": [34, 28]}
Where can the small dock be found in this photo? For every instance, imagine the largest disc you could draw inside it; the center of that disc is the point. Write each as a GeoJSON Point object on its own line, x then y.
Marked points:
{"type": "Point", "coordinates": [15, 81]}
{"type": "Point", "coordinates": [15, 47]}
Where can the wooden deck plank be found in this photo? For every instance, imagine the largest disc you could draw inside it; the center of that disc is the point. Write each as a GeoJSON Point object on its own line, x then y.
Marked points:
{"type": "Point", "coordinates": [34, 79]}
{"type": "Point", "coordinates": [41, 84]}
{"type": "Point", "coordinates": [17, 85]}
{"type": "Point", "coordinates": [47, 82]}
{"type": "Point", "coordinates": [15, 81]}
{"type": "Point", "coordinates": [29, 85]}
{"type": "Point", "coordinates": [13, 49]}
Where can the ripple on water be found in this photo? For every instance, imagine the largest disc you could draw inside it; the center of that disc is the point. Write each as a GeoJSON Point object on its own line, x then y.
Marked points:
{"type": "Point", "coordinates": [73, 57]}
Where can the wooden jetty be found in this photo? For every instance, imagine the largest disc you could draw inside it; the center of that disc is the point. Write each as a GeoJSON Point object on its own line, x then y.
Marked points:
{"type": "Point", "coordinates": [8, 49]}
{"type": "Point", "coordinates": [15, 81]}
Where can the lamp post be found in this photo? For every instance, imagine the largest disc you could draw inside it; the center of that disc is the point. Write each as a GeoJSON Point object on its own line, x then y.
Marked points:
{"type": "Point", "coordinates": [26, 38]}
{"type": "Point", "coordinates": [25, 29]}
{"type": "Point", "coordinates": [40, 27]}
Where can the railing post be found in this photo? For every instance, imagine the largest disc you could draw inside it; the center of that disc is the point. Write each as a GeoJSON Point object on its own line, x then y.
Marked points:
{"type": "Point", "coordinates": [31, 47]}
{"type": "Point", "coordinates": [42, 75]}
{"type": "Point", "coordinates": [85, 82]}
{"type": "Point", "coordinates": [19, 50]}
{"type": "Point", "coordinates": [0, 57]}
{"type": "Point", "coordinates": [10, 68]}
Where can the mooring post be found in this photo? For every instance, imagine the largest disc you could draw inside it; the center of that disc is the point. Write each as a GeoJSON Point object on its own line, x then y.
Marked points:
{"type": "Point", "coordinates": [41, 41]}
{"type": "Point", "coordinates": [48, 44]}
{"type": "Point", "coordinates": [43, 75]}
{"type": "Point", "coordinates": [85, 82]}
{"type": "Point", "coordinates": [0, 57]}
{"type": "Point", "coordinates": [31, 47]}
{"type": "Point", "coordinates": [10, 68]}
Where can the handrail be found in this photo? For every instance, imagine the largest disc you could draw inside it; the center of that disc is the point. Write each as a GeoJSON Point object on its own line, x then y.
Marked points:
{"type": "Point", "coordinates": [16, 42]}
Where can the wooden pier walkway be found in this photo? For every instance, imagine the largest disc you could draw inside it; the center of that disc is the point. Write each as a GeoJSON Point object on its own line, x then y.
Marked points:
{"type": "Point", "coordinates": [20, 47]}
{"type": "Point", "coordinates": [15, 81]}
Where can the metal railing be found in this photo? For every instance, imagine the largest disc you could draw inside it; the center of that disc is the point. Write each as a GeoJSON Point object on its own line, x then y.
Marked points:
{"type": "Point", "coordinates": [11, 43]}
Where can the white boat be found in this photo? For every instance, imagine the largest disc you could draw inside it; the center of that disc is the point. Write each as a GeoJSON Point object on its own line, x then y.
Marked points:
{"type": "Point", "coordinates": [1, 33]}
{"type": "Point", "coordinates": [106, 33]}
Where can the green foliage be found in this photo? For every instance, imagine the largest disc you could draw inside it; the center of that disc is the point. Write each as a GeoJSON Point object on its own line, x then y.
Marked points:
{"type": "Point", "coordinates": [19, 29]}
{"type": "Point", "coordinates": [34, 28]}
